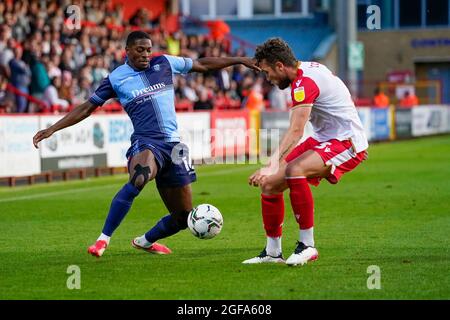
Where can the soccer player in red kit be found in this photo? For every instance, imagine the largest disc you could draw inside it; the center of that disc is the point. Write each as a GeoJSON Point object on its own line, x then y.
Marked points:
{"type": "Point", "coordinates": [338, 144]}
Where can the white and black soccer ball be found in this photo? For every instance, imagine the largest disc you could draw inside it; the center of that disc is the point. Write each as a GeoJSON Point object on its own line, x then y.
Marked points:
{"type": "Point", "coordinates": [205, 221]}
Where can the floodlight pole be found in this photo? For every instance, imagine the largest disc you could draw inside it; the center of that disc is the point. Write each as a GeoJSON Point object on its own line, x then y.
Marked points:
{"type": "Point", "coordinates": [347, 33]}
{"type": "Point", "coordinates": [352, 38]}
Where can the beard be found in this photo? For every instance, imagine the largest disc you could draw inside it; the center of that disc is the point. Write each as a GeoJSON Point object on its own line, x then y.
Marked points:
{"type": "Point", "coordinates": [285, 83]}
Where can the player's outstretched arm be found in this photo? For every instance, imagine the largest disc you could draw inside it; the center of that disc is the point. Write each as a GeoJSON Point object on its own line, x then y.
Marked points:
{"type": "Point", "coordinates": [81, 112]}
{"type": "Point", "coordinates": [212, 63]}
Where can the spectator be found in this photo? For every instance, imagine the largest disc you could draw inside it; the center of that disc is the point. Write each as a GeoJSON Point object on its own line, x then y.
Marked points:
{"type": "Point", "coordinates": [118, 58]}
{"type": "Point", "coordinates": [194, 46]}
{"type": "Point", "coordinates": [255, 99]}
{"type": "Point", "coordinates": [224, 78]}
{"type": "Point", "coordinates": [409, 100]}
{"type": "Point", "coordinates": [18, 31]}
{"type": "Point", "coordinates": [2, 12]}
{"type": "Point", "coordinates": [82, 90]}
{"type": "Point", "coordinates": [5, 34]}
{"type": "Point", "coordinates": [246, 85]}
{"type": "Point", "coordinates": [65, 90]}
{"type": "Point", "coordinates": [117, 14]}
{"type": "Point", "coordinates": [233, 92]}
{"type": "Point", "coordinates": [99, 71]}
{"type": "Point", "coordinates": [51, 97]}
{"type": "Point", "coordinates": [55, 43]}
{"type": "Point", "coordinates": [6, 55]}
{"type": "Point", "coordinates": [67, 60]}
{"type": "Point", "coordinates": [142, 18]}
{"type": "Point", "coordinates": [86, 72]}
{"type": "Point", "coordinates": [6, 104]}
{"type": "Point", "coordinates": [174, 44]}
{"type": "Point", "coordinates": [380, 100]}
{"type": "Point", "coordinates": [203, 103]}
{"type": "Point", "coordinates": [50, 49]}
{"type": "Point", "coordinates": [185, 90]}
{"type": "Point", "coordinates": [20, 78]}
{"type": "Point", "coordinates": [39, 77]}
{"type": "Point", "coordinates": [46, 41]}
{"type": "Point", "coordinates": [52, 67]}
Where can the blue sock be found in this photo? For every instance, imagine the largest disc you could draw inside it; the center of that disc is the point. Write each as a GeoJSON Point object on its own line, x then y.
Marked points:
{"type": "Point", "coordinates": [163, 229]}
{"type": "Point", "coordinates": [120, 206]}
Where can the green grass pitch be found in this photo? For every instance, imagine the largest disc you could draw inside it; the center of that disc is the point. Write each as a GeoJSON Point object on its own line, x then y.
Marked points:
{"type": "Point", "coordinates": [392, 212]}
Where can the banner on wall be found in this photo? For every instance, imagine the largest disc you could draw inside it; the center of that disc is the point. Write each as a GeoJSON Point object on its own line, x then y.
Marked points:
{"type": "Point", "coordinates": [365, 114]}
{"type": "Point", "coordinates": [403, 123]}
{"type": "Point", "coordinates": [448, 118]}
{"type": "Point", "coordinates": [102, 140]}
{"type": "Point", "coordinates": [275, 120]}
{"type": "Point", "coordinates": [80, 146]}
{"type": "Point", "coordinates": [18, 156]}
{"type": "Point", "coordinates": [194, 129]}
{"type": "Point", "coordinates": [380, 126]}
{"type": "Point", "coordinates": [119, 129]}
{"type": "Point", "coordinates": [427, 120]}
{"type": "Point", "coordinates": [229, 134]}
{"type": "Point", "coordinates": [274, 126]}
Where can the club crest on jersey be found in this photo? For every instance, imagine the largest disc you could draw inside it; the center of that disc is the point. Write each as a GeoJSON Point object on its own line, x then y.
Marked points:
{"type": "Point", "coordinates": [299, 94]}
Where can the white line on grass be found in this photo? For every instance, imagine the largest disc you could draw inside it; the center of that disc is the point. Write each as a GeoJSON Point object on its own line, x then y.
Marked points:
{"type": "Point", "coordinates": [78, 190]}
{"type": "Point", "coordinates": [223, 172]}
{"type": "Point", "coordinates": [56, 193]}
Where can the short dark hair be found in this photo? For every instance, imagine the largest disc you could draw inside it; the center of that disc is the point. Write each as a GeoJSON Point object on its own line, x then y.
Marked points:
{"type": "Point", "coordinates": [274, 50]}
{"type": "Point", "coordinates": [136, 35]}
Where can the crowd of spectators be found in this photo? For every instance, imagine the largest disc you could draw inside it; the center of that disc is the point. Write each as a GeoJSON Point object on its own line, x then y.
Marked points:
{"type": "Point", "coordinates": [47, 64]}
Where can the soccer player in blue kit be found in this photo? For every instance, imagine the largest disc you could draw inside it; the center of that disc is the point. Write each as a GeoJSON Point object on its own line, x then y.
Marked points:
{"type": "Point", "coordinates": [144, 86]}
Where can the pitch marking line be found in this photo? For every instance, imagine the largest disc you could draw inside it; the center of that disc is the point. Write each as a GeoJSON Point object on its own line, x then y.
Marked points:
{"type": "Point", "coordinates": [79, 190]}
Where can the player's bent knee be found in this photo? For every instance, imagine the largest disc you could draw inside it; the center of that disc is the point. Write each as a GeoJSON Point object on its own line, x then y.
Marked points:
{"type": "Point", "coordinates": [295, 170]}
{"type": "Point", "coordinates": [141, 176]}
{"type": "Point", "coordinates": [267, 188]}
{"type": "Point", "coordinates": [271, 188]}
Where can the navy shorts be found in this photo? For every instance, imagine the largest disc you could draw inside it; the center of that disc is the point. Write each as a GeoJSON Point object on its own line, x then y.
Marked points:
{"type": "Point", "coordinates": [175, 167]}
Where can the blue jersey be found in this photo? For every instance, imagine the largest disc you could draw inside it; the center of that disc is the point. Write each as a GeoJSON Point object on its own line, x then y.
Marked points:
{"type": "Point", "coordinates": [147, 96]}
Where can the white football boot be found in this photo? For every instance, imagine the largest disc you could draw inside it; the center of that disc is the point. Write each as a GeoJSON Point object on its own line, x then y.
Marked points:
{"type": "Point", "coordinates": [264, 258]}
{"type": "Point", "coordinates": [302, 255]}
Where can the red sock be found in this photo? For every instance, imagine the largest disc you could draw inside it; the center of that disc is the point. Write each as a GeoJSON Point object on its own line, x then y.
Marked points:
{"type": "Point", "coordinates": [273, 214]}
{"type": "Point", "coordinates": [302, 202]}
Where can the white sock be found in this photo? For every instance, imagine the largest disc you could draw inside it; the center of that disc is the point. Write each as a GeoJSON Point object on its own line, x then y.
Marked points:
{"type": "Point", "coordinates": [143, 242]}
{"type": "Point", "coordinates": [104, 237]}
{"type": "Point", "coordinates": [273, 247]}
{"type": "Point", "coordinates": [307, 237]}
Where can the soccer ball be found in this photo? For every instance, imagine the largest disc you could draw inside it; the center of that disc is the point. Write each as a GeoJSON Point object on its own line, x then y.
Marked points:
{"type": "Point", "coordinates": [205, 221]}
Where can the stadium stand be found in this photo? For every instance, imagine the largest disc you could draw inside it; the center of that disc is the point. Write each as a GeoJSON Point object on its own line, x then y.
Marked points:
{"type": "Point", "coordinates": [61, 67]}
